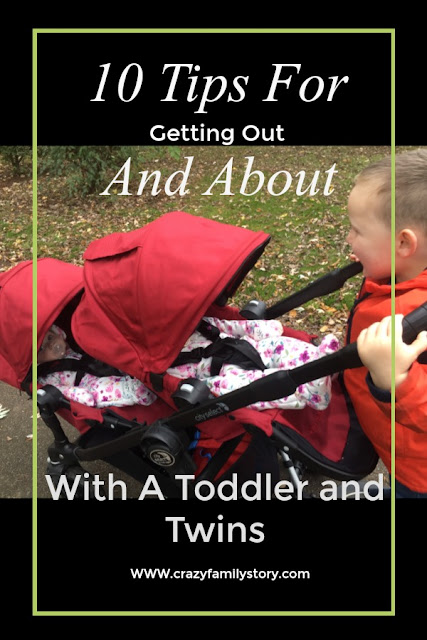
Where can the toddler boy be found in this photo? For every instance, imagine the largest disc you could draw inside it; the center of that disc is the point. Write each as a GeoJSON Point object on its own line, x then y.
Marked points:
{"type": "Point", "coordinates": [369, 209]}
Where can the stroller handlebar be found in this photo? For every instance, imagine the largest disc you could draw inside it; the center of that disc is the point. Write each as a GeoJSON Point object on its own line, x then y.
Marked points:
{"type": "Point", "coordinates": [414, 322]}
{"type": "Point", "coordinates": [324, 285]}
{"type": "Point", "coordinates": [348, 357]}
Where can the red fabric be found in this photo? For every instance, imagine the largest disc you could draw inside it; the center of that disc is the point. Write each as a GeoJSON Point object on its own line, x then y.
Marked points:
{"type": "Point", "coordinates": [141, 414]}
{"type": "Point", "coordinates": [147, 290]}
{"type": "Point", "coordinates": [82, 412]}
{"type": "Point", "coordinates": [327, 430]}
{"type": "Point", "coordinates": [411, 396]}
{"type": "Point", "coordinates": [57, 283]}
{"type": "Point", "coordinates": [298, 335]}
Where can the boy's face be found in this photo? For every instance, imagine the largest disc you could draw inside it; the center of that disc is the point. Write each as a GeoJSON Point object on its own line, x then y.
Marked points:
{"type": "Point", "coordinates": [53, 348]}
{"type": "Point", "coordinates": [369, 237]}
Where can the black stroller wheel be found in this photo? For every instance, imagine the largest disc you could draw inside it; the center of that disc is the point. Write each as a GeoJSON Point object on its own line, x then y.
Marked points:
{"type": "Point", "coordinates": [159, 455]}
{"type": "Point", "coordinates": [167, 449]}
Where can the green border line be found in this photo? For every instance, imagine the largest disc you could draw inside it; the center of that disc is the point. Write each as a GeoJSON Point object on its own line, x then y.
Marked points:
{"type": "Point", "coordinates": [393, 310]}
{"type": "Point", "coordinates": [36, 612]}
{"type": "Point", "coordinates": [248, 614]}
{"type": "Point", "coordinates": [219, 30]}
{"type": "Point", "coordinates": [34, 374]}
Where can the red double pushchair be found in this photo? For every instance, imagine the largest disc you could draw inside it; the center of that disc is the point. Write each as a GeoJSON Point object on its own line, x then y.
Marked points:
{"type": "Point", "coordinates": [132, 307]}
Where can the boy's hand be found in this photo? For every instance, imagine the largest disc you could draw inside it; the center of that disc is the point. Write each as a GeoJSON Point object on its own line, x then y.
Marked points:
{"type": "Point", "coordinates": [374, 348]}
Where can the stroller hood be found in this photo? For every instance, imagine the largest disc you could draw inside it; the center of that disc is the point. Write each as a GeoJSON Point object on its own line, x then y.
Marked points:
{"type": "Point", "coordinates": [147, 290]}
{"type": "Point", "coordinates": [57, 283]}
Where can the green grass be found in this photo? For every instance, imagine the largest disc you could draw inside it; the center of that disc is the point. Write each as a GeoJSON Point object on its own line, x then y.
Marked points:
{"type": "Point", "coordinates": [308, 231]}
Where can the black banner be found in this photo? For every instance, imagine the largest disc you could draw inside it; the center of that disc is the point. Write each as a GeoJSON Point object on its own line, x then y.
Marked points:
{"type": "Point", "coordinates": [185, 88]}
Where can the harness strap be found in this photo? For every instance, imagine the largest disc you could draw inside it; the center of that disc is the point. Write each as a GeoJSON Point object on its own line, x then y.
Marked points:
{"type": "Point", "coordinates": [224, 351]}
{"type": "Point", "coordinates": [85, 365]}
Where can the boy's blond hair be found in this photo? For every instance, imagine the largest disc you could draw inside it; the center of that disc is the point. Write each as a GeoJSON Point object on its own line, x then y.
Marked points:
{"type": "Point", "coordinates": [410, 188]}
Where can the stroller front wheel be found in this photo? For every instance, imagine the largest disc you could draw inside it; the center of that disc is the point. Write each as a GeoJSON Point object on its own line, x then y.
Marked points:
{"type": "Point", "coordinates": [161, 456]}
{"type": "Point", "coordinates": [167, 449]}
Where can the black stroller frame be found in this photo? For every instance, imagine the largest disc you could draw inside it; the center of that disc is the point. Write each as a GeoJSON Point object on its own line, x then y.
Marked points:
{"type": "Point", "coordinates": [163, 445]}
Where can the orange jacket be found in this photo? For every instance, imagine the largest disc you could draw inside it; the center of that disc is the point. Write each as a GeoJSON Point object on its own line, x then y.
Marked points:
{"type": "Point", "coordinates": [372, 408]}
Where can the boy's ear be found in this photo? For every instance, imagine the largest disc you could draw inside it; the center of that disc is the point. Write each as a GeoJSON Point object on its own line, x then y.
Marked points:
{"type": "Point", "coordinates": [406, 243]}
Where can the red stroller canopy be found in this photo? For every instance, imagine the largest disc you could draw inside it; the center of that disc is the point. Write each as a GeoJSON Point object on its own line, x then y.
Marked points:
{"type": "Point", "coordinates": [57, 283]}
{"type": "Point", "coordinates": [147, 290]}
